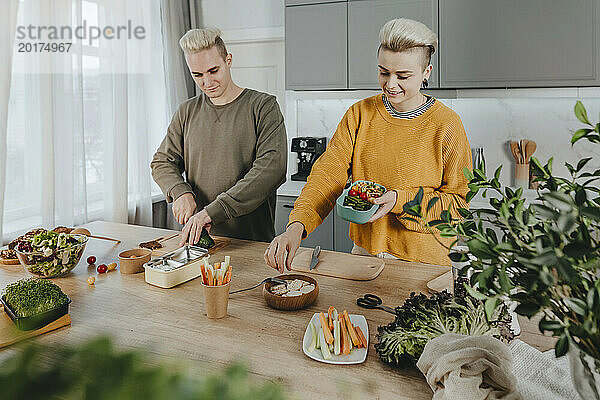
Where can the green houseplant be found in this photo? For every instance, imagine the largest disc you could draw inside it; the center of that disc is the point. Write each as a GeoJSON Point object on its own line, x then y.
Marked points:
{"type": "Point", "coordinates": [545, 256]}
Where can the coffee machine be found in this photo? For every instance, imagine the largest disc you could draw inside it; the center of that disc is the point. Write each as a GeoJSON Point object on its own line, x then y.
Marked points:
{"type": "Point", "coordinates": [308, 149]}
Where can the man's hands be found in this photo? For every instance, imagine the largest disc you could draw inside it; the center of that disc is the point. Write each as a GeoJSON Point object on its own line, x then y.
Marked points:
{"type": "Point", "coordinates": [288, 241]}
{"type": "Point", "coordinates": [386, 202]}
{"type": "Point", "coordinates": [184, 207]}
{"type": "Point", "coordinates": [193, 228]}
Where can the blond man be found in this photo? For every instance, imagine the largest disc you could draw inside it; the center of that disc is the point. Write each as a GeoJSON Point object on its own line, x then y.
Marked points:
{"type": "Point", "coordinates": [231, 144]}
{"type": "Point", "coordinates": [401, 139]}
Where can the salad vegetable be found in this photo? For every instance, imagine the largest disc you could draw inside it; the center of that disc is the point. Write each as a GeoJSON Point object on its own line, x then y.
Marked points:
{"type": "Point", "coordinates": [205, 240]}
{"type": "Point", "coordinates": [360, 194]}
{"type": "Point", "coordinates": [49, 253]}
{"type": "Point", "coordinates": [29, 297]}
{"type": "Point", "coordinates": [423, 318]}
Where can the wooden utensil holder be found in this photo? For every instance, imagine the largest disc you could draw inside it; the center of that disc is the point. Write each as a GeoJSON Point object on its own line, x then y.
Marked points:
{"type": "Point", "coordinates": [522, 176]}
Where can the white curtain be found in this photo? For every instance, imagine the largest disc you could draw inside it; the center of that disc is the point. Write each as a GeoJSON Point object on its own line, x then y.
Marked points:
{"type": "Point", "coordinates": [8, 20]}
{"type": "Point", "coordinates": [83, 125]}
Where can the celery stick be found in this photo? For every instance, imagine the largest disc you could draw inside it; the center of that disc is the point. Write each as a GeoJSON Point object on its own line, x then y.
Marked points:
{"type": "Point", "coordinates": [336, 337]}
{"type": "Point", "coordinates": [227, 260]}
{"type": "Point", "coordinates": [313, 341]}
{"type": "Point", "coordinates": [318, 344]}
{"type": "Point", "coordinates": [324, 347]}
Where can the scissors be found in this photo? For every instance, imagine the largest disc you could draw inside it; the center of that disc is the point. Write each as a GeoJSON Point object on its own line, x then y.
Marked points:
{"type": "Point", "coordinates": [372, 301]}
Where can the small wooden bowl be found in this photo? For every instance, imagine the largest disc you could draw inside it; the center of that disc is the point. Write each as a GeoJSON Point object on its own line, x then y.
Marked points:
{"type": "Point", "coordinates": [291, 303]}
{"type": "Point", "coordinates": [132, 261]}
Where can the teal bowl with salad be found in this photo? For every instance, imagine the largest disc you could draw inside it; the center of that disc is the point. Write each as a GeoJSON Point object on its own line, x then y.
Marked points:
{"type": "Point", "coordinates": [49, 254]}
{"type": "Point", "coordinates": [354, 205]}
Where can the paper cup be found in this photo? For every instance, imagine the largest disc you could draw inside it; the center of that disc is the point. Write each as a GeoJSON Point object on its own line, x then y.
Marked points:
{"type": "Point", "coordinates": [216, 299]}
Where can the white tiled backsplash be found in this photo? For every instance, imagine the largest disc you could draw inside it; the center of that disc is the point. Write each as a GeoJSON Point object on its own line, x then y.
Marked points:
{"type": "Point", "coordinates": [543, 115]}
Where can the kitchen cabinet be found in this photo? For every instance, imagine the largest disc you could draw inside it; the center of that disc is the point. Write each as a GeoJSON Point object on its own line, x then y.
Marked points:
{"type": "Point", "coordinates": [322, 236]}
{"type": "Point", "coordinates": [316, 46]}
{"type": "Point", "coordinates": [515, 43]}
{"type": "Point", "coordinates": [304, 2]}
{"type": "Point", "coordinates": [365, 19]}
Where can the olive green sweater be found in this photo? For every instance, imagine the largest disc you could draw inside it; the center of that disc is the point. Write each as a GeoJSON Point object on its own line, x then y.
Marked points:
{"type": "Point", "coordinates": [234, 157]}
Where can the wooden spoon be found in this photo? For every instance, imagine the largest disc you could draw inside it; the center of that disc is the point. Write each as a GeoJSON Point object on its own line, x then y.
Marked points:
{"type": "Point", "coordinates": [83, 231]}
{"type": "Point", "coordinates": [514, 149]}
{"type": "Point", "coordinates": [530, 149]}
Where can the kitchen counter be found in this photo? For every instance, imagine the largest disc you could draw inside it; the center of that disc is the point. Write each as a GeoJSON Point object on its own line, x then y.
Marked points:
{"type": "Point", "coordinates": [171, 322]}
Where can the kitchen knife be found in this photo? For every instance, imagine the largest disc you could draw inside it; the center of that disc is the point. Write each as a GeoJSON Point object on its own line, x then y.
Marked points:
{"type": "Point", "coordinates": [315, 257]}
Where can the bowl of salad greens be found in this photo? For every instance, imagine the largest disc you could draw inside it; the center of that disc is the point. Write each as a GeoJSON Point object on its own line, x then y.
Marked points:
{"type": "Point", "coordinates": [49, 254]}
{"type": "Point", "coordinates": [354, 204]}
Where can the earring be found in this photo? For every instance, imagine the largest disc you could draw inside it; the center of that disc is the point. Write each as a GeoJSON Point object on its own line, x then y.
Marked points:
{"type": "Point", "coordinates": [425, 83]}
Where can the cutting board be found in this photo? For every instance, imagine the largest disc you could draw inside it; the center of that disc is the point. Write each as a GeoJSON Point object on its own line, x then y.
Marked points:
{"type": "Point", "coordinates": [441, 283]}
{"type": "Point", "coordinates": [9, 334]}
{"type": "Point", "coordinates": [339, 265]}
{"type": "Point", "coordinates": [173, 244]}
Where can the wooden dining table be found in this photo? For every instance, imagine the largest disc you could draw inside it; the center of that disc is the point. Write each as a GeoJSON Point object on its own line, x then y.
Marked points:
{"type": "Point", "coordinates": [172, 322]}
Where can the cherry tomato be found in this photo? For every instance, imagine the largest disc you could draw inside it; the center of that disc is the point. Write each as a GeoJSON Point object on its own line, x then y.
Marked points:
{"type": "Point", "coordinates": [91, 280]}
{"type": "Point", "coordinates": [111, 266]}
{"type": "Point", "coordinates": [352, 193]}
{"type": "Point", "coordinates": [102, 268]}
{"type": "Point", "coordinates": [91, 259]}
{"type": "Point", "coordinates": [364, 196]}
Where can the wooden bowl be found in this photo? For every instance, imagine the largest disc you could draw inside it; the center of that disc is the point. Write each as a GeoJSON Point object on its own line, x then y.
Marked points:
{"type": "Point", "coordinates": [291, 303]}
{"type": "Point", "coordinates": [132, 261]}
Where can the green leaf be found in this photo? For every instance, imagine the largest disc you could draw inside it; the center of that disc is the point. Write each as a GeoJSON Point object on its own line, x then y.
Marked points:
{"type": "Point", "coordinates": [470, 196]}
{"type": "Point", "coordinates": [580, 133]}
{"type": "Point", "coordinates": [577, 249]}
{"type": "Point", "coordinates": [582, 163]}
{"type": "Point", "coordinates": [419, 197]}
{"type": "Point", "coordinates": [581, 114]}
{"type": "Point", "coordinates": [562, 346]}
{"type": "Point", "coordinates": [560, 200]}
{"type": "Point", "coordinates": [467, 173]}
{"type": "Point", "coordinates": [548, 325]}
{"type": "Point", "coordinates": [490, 306]}
{"type": "Point", "coordinates": [474, 293]}
{"type": "Point", "coordinates": [527, 309]}
{"type": "Point", "coordinates": [480, 249]}
{"type": "Point", "coordinates": [497, 173]}
{"type": "Point", "coordinates": [464, 212]}
{"type": "Point", "coordinates": [431, 203]}
{"type": "Point", "coordinates": [504, 280]}
{"type": "Point", "coordinates": [591, 212]}
{"type": "Point", "coordinates": [577, 305]}
{"type": "Point", "coordinates": [458, 256]}
{"type": "Point", "coordinates": [580, 197]}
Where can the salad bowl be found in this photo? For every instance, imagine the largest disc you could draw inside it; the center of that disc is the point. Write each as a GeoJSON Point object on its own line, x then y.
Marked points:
{"type": "Point", "coordinates": [50, 254]}
{"type": "Point", "coordinates": [355, 209]}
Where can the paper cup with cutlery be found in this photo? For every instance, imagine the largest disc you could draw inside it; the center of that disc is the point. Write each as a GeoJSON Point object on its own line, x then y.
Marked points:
{"type": "Point", "coordinates": [215, 285]}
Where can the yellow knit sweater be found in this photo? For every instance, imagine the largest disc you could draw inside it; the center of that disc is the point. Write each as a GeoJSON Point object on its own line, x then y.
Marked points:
{"type": "Point", "coordinates": [402, 155]}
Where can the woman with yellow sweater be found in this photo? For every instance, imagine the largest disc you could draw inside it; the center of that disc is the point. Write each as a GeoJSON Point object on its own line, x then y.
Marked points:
{"type": "Point", "coordinates": [401, 139]}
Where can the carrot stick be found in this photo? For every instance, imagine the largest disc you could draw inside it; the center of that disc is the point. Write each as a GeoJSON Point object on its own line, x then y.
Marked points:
{"type": "Point", "coordinates": [204, 277]}
{"type": "Point", "coordinates": [210, 278]}
{"type": "Point", "coordinates": [351, 331]}
{"type": "Point", "coordinates": [363, 340]}
{"type": "Point", "coordinates": [330, 317]}
{"type": "Point", "coordinates": [228, 275]}
{"type": "Point", "coordinates": [325, 327]}
{"type": "Point", "coordinates": [345, 340]}
{"type": "Point", "coordinates": [219, 279]}
{"type": "Point", "coordinates": [217, 265]}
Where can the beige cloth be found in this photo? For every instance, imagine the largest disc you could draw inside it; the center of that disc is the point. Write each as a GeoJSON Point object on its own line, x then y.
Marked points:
{"type": "Point", "coordinates": [361, 251]}
{"type": "Point", "coordinates": [468, 367]}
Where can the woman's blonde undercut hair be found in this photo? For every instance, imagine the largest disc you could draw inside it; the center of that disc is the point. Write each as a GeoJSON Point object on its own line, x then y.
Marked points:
{"type": "Point", "coordinates": [201, 39]}
{"type": "Point", "coordinates": [402, 34]}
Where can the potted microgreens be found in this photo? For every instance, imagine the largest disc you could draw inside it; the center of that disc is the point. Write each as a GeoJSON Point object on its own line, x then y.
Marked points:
{"type": "Point", "coordinates": [545, 256]}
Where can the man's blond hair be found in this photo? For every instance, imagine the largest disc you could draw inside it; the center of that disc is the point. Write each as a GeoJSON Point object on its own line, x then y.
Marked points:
{"type": "Point", "coordinates": [403, 34]}
{"type": "Point", "coordinates": [201, 39]}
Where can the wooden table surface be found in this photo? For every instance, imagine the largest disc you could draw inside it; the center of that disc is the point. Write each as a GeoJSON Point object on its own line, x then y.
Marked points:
{"type": "Point", "coordinates": [171, 322]}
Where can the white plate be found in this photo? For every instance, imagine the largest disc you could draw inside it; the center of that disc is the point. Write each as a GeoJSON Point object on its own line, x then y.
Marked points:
{"type": "Point", "coordinates": [356, 356]}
